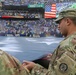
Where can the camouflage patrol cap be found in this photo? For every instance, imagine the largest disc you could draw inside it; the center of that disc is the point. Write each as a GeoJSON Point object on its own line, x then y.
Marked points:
{"type": "Point", "coordinates": [69, 12]}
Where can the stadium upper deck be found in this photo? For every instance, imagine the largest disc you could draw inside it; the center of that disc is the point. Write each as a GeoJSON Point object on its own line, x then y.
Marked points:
{"type": "Point", "coordinates": [26, 2]}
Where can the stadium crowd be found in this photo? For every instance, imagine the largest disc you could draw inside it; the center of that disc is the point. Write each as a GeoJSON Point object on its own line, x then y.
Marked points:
{"type": "Point", "coordinates": [22, 14]}
{"type": "Point", "coordinates": [35, 28]}
{"type": "Point", "coordinates": [25, 2]}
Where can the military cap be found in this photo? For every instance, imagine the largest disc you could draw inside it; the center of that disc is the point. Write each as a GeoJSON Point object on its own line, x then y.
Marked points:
{"type": "Point", "coordinates": [69, 12]}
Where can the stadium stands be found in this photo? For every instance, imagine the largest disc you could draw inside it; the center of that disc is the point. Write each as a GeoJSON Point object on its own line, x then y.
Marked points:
{"type": "Point", "coordinates": [35, 28]}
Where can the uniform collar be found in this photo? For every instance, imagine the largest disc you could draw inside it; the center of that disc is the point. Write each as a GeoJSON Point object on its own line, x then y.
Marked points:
{"type": "Point", "coordinates": [70, 35]}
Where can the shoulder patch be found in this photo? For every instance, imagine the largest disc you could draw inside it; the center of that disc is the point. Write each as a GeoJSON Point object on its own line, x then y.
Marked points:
{"type": "Point", "coordinates": [63, 67]}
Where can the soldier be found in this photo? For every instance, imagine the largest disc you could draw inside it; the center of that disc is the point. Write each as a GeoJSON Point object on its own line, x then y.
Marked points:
{"type": "Point", "coordinates": [63, 60]}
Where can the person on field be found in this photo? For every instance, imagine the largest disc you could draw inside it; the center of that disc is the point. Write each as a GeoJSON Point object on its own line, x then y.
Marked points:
{"type": "Point", "coordinates": [63, 59]}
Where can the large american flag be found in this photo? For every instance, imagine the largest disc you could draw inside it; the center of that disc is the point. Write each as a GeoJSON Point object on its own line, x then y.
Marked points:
{"type": "Point", "coordinates": [50, 11]}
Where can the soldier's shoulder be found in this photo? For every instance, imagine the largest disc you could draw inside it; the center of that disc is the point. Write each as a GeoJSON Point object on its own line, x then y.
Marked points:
{"type": "Point", "coordinates": [73, 39]}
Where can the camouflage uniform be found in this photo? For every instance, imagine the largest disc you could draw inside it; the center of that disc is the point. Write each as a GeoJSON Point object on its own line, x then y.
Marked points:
{"type": "Point", "coordinates": [10, 65]}
{"type": "Point", "coordinates": [63, 61]}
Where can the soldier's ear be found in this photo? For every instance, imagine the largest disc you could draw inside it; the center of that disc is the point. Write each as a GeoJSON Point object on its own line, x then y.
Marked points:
{"type": "Point", "coordinates": [68, 21]}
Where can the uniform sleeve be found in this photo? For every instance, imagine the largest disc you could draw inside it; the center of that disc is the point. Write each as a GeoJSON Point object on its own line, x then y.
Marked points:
{"type": "Point", "coordinates": [10, 65]}
{"type": "Point", "coordinates": [38, 70]}
{"type": "Point", "coordinates": [65, 61]}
